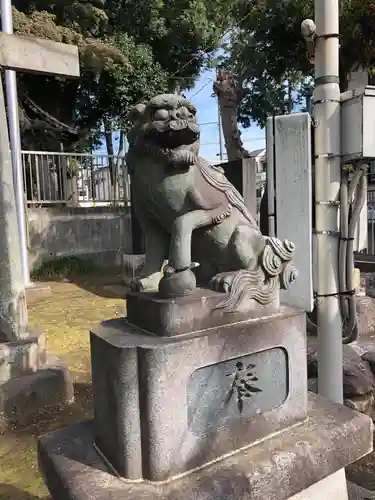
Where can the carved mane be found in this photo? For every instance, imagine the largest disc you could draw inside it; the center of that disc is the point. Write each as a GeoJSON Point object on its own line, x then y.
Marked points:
{"type": "Point", "coordinates": [218, 180]}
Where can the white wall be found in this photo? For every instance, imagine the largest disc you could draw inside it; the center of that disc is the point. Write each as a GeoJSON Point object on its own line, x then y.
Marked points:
{"type": "Point", "coordinates": [358, 79]}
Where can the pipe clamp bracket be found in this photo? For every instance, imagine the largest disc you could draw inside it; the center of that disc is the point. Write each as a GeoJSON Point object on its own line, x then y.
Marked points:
{"type": "Point", "coordinates": [328, 233]}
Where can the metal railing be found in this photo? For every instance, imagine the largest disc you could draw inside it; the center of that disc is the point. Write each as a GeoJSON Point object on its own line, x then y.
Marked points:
{"type": "Point", "coordinates": [77, 179]}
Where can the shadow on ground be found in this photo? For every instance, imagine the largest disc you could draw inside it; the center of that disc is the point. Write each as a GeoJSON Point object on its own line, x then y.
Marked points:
{"type": "Point", "coordinates": [18, 447]}
{"type": "Point", "coordinates": [106, 286]}
{"type": "Point", "coordinates": [109, 285]}
{"type": "Point", "coordinates": [57, 418]}
{"type": "Point", "coordinates": [10, 492]}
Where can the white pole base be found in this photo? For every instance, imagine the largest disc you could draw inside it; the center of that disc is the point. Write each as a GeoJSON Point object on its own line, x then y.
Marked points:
{"type": "Point", "coordinates": [332, 487]}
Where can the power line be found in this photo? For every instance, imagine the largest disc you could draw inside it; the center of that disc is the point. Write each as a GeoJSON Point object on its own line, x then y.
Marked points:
{"type": "Point", "coordinates": [255, 139]}
{"type": "Point", "coordinates": [207, 123]}
{"type": "Point", "coordinates": [200, 90]}
{"type": "Point", "coordinates": [218, 40]}
{"type": "Point", "coordinates": [216, 143]}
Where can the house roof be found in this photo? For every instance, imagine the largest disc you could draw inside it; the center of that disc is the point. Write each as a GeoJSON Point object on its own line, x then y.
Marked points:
{"type": "Point", "coordinates": [256, 152]}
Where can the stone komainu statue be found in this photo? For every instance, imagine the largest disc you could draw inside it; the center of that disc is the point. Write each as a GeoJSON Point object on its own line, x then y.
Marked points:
{"type": "Point", "coordinates": [194, 217]}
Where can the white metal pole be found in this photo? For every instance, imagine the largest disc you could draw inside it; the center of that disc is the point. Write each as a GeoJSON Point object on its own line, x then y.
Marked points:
{"type": "Point", "coordinates": [15, 145]}
{"type": "Point", "coordinates": [220, 136]}
{"type": "Point", "coordinates": [219, 124]}
{"type": "Point", "coordinates": [327, 185]}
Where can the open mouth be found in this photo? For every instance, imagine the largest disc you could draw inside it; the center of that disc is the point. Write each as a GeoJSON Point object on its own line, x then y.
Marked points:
{"type": "Point", "coordinates": [174, 138]}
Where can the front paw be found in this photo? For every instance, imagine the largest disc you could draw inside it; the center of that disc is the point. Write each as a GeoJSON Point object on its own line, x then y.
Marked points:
{"type": "Point", "coordinates": [146, 284]}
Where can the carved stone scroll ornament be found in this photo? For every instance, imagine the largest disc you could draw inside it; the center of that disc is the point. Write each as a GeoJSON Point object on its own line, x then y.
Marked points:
{"type": "Point", "coordinates": [193, 216]}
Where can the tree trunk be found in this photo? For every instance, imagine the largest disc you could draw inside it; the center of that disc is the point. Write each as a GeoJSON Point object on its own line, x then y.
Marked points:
{"type": "Point", "coordinates": [121, 143]}
{"type": "Point", "coordinates": [112, 164]}
{"type": "Point", "coordinates": [290, 98]}
{"type": "Point", "coordinates": [229, 93]}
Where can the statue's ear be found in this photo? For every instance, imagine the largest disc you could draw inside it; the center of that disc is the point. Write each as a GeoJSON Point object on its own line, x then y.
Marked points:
{"type": "Point", "coordinates": [136, 113]}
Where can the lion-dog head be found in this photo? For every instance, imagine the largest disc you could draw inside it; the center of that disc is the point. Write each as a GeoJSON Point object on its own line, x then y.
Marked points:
{"type": "Point", "coordinates": [166, 128]}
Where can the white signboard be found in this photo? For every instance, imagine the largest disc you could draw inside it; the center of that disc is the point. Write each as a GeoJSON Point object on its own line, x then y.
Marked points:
{"type": "Point", "coordinates": [293, 186]}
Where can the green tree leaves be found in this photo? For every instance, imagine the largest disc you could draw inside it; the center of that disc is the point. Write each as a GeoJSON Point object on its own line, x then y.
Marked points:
{"type": "Point", "coordinates": [269, 53]}
{"type": "Point", "coordinates": [128, 51]}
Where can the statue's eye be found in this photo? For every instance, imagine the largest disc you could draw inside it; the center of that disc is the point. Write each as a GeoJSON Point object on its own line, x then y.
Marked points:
{"type": "Point", "coordinates": [161, 115]}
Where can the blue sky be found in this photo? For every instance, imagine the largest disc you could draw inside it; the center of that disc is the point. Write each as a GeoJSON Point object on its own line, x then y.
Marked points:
{"type": "Point", "coordinates": [201, 95]}
{"type": "Point", "coordinates": [253, 137]}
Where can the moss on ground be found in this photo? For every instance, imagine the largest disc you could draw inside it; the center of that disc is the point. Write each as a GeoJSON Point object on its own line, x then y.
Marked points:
{"type": "Point", "coordinates": [66, 267]}
{"type": "Point", "coordinates": [65, 317]}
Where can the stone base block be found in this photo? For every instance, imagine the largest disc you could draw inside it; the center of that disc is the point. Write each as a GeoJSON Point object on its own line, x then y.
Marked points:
{"type": "Point", "coordinates": [276, 468]}
{"type": "Point", "coordinates": [165, 406]}
{"type": "Point", "coordinates": [171, 317]}
{"type": "Point", "coordinates": [25, 396]}
{"type": "Point", "coordinates": [21, 357]}
{"type": "Point", "coordinates": [37, 291]}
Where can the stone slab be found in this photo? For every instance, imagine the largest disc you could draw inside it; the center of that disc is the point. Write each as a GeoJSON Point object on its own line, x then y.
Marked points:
{"type": "Point", "coordinates": [26, 396]}
{"type": "Point", "coordinates": [38, 55]}
{"type": "Point", "coordinates": [274, 469]}
{"type": "Point", "coordinates": [293, 184]}
{"type": "Point", "coordinates": [164, 406]}
{"type": "Point", "coordinates": [36, 292]}
{"type": "Point", "coordinates": [20, 357]}
{"type": "Point", "coordinates": [195, 312]}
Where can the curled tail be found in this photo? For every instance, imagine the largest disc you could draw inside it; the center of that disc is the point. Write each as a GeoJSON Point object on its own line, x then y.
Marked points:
{"type": "Point", "coordinates": [248, 285]}
{"type": "Point", "coordinates": [262, 284]}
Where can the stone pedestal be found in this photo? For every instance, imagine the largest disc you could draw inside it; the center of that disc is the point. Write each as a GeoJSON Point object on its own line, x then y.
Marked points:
{"type": "Point", "coordinates": [276, 468]}
{"type": "Point", "coordinates": [164, 406]}
{"type": "Point", "coordinates": [183, 315]}
{"type": "Point", "coordinates": [216, 411]}
{"type": "Point", "coordinates": [30, 380]}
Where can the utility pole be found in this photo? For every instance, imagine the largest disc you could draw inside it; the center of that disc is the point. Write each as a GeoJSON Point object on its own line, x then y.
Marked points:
{"type": "Point", "coordinates": [220, 134]}
{"type": "Point", "coordinates": [326, 101]}
{"type": "Point", "coordinates": [323, 47]}
{"type": "Point", "coordinates": [15, 145]}
{"type": "Point", "coordinates": [219, 124]}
